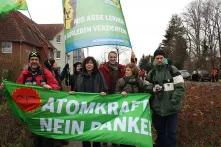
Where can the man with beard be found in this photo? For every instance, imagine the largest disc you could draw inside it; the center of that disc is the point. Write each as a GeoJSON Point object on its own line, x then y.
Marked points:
{"type": "Point", "coordinates": [36, 75]}
{"type": "Point", "coordinates": [168, 91]}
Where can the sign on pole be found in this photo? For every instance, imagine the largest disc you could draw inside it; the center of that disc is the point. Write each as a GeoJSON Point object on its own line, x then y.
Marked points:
{"type": "Point", "coordinates": [94, 22]}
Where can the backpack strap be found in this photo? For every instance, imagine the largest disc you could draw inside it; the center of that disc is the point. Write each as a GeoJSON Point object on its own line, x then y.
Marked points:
{"type": "Point", "coordinates": [43, 76]}
{"type": "Point", "coordinates": [152, 72]}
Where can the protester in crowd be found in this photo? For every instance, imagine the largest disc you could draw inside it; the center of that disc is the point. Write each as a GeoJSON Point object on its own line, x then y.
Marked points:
{"type": "Point", "coordinates": [90, 80]}
{"type": "Point", "coordinates": [51, 65]}
{"type": "Point", "coordinates": [130, 83]}
{"type": "Point", "coordinates": [65, 74]}
{"type": "Point", "coordinates": [133, 60]}
{"type": "Point", "coordinates": [214, 74]}
{"type": "Point", "coordinates": [168, 90]}
{"type": "Point", "coordinates": [142, 74]}
{"type": "Point", "coordinates": [76, 71]}
{"type": "Point", "coordinates": [112, 71]}
{"type": "Point", "coordinates": [37, 75]}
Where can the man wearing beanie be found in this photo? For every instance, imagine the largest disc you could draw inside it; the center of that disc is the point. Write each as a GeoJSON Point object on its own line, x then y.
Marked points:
{"type": "Point", "coordinates": [36, 75]}
{"type": "Point", "coordinates": [168, 90]}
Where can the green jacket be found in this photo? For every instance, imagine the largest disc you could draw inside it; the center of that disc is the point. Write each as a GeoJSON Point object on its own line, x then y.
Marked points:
{"type": "Point", "coordinates": [168, 100]}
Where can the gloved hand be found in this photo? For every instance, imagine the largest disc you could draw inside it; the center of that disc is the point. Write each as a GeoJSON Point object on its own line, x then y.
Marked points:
{"type": "Point", "coordinates": [47, 86]}
{"type": "Point", "coordinates": [103, 93]}
{"type": "Point", "coordinates": [1, 86]}
{"type": "Point", "coordinates": [124, 93]}
{"type": "Point", "coordinates": [71, 92]}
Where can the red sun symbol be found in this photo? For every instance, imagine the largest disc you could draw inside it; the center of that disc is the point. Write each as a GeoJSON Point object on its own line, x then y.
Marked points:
{"type": "Point", "coordinates": [27, 99]}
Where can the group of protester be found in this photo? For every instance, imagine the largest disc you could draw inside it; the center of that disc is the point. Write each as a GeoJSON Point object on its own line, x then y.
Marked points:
{"type": "Point", "coordinates": [164, 83]}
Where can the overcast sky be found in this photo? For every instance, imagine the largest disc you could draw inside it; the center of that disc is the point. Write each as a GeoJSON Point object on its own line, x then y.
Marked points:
{"type": "Point", "coordinates": [146, 20]}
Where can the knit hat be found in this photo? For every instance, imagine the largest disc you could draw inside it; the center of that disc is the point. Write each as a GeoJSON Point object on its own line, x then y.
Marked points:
{"type": "Point", "coordinates": [34, 54]}
{"type": "Point", "coordinates": [159, 52]}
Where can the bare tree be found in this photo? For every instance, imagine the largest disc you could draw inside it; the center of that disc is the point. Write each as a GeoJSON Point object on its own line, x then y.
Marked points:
{"type": "Point", "coordinates": [202, 21]}
{"type": "Point", "coordinates": [218, 25]}
{"type": "Point", "coordinates": [193, 23]}
{"type": "Point", "coordinates": [121, 50]}
{"type": "Point", "coordinates": [209, 28]}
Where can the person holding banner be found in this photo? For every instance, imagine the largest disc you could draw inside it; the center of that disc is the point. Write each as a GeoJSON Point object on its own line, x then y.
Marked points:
{"type": "Point", "coordinates": [76, 71]}
{"type": "Point", "coordinates": [90, 80]}
{"type": "Point", "coordinates": [112, 71]}
{"type": "Point", "coordinates": [130, 83]}
{"type": "Point", "coordinates": [36, 75]}
{"type": "Point", "coordinates": [168, 90]}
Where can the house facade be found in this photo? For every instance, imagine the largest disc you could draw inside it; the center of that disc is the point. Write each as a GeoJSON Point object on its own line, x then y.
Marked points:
{"type": "Point", "coordinates": [55, 35]}
{"type": "Point", "coordinates": [18, 37]}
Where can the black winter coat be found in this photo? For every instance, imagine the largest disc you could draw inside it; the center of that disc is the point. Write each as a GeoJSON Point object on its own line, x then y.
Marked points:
{"type": "Point", "coordinates": [90, 83]}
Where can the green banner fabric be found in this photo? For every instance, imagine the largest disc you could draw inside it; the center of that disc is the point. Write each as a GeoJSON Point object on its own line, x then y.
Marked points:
{"type": "Point", "coordinates": [11, 5]}
{"type": "Point", "coordinates": [93, 23]}
{"type": "Point", "coordinates": [82, 116]}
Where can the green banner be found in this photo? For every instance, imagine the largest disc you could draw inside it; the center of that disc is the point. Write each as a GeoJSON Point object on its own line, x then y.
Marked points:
{"type": "Point", "coordinates": [83, 116]}
{"type": "Point", "coordinates": [11, 5]}
{"type": "Point", "coordinates": [94, 22]}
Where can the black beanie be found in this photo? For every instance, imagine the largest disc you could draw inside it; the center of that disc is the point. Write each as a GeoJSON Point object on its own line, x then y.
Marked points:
{"type": "Point", "coordinates": [33, 54]}
{"type": "Point", "coordinates": [159, 52]}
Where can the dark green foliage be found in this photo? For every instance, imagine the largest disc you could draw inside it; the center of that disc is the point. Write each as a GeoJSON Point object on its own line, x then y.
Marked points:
{"type": "Point", "coordinates": [174, 43]}
{"type": "Point", "coordinates": [145, 63]}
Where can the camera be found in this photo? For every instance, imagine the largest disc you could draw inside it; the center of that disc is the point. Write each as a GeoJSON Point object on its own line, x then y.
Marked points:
{"type": "Point", "coordinates": [157, 88]}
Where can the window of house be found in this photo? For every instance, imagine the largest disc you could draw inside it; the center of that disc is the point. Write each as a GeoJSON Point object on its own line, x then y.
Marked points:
{"type": "Point", "coordinates": [58, 39]}
{"type": "Point", "coordinates": [6, 47]}
{"type": "Point", "coordinates": [58, 54]}
{"type": "Point", "coordinates": [51, 54]}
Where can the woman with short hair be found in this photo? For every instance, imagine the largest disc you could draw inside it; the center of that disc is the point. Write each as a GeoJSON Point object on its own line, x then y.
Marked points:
{"type": "Point", "coordinates": [90, 80]}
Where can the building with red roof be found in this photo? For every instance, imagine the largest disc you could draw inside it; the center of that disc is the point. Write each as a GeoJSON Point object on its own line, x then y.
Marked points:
{"type": "Point", "coordinates": [19, 35]}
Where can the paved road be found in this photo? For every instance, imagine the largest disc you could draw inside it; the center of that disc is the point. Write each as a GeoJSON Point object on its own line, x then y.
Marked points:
{"type": "Point", "coordinates": [74, 144]}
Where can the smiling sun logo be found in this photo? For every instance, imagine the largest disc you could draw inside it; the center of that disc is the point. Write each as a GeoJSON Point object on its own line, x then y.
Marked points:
{"type": "Point", "coordinates": [26, 99]}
